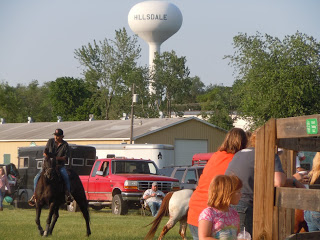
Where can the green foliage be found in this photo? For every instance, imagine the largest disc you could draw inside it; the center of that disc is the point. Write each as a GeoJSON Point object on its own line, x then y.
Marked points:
{"type": "Point", "coordinates": [70, 98]}
{"type": "Point", "coordinates": [110, 68]}
{"type": "Point", "coordinates": [170, 79]}
{"type": "Point", "coordinates": [217, 105]}
{"type": "Point", "coordinates": [276, 79]}
{"type": "Point", "coordinates": [19, 103]}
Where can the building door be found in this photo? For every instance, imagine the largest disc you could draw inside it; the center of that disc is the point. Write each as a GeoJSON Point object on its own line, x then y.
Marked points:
{"type": "Point", "coordinates": [184, 149]}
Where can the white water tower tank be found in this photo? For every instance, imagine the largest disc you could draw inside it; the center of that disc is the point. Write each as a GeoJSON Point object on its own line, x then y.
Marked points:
{"type": "Point", "coordinates": [154, 22]}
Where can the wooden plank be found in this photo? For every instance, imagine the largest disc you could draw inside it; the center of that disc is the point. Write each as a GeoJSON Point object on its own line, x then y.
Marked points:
{"type": "Point", "coordinates": [305, 236]}
{"type": "Point", "coordinates": [300, 144]}
{"type": "Point", "coordinates": [295, 127]}
{"type": "Point", "coordinates": [298, 198]}
{"type": "Point", "coordinates": [288, 161]}
{"type": "Point", "coordinates": [264, 182]}
{"type": "Point", "coordinates": [285, 226]}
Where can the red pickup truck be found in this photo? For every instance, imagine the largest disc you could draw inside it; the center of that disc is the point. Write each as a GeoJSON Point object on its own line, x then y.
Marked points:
{"type": "Point", "coordinates": [121, 182]}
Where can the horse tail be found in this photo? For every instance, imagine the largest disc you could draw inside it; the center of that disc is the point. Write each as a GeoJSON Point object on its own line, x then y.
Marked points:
{"type": "Point", "coordinates": [163, 211]}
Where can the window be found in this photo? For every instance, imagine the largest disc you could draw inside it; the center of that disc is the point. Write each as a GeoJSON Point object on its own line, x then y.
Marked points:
{"type": "Point", "coordinates": [105, 168]}
{"type": "Point", "coordinates": [191, 175]}
{"type": "Point", "coordinates": [23, 162]}
{"type": "Point", "coordinates": [90, 162]}
{"type": "Point", "coordinates": [179, 174]}
{"type": "Point", "coordinates": [133, 167]}
{"type": "Point", "coordinates": [39, 162]}
{"type": "Point", "coordinates": [77, 161]}
{"type": "Point", "coordinates": [94, 171]}
{"type": "Point", "coordinates": [6, 158]}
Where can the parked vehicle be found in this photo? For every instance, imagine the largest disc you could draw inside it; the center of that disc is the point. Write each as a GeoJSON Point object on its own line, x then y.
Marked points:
{"type": "Point", "coordinates": [201, 159]}
{"type": "Point", "coordinates": [121, 182]}
{"type": "Point", "coordinates": [81, 160]}
{"type": "Point", "coordinates": [188, 175]}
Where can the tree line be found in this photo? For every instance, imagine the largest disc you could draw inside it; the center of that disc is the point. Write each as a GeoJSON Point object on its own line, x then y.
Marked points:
{"type": "Point", "coordinates": [273, 79]}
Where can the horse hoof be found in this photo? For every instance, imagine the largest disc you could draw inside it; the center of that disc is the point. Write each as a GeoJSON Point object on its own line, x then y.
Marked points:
{"type": "Point", "coordinates": [41, 233]}
{"type": "Point", "coordinates": [45, 234]}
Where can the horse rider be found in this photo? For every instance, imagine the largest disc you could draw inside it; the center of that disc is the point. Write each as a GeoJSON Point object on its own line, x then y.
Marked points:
{"type": "Point", "coordinates": [60, 149]}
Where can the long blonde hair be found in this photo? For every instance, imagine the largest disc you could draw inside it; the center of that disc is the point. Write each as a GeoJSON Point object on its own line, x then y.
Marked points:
{"type": "Point", "coordinates": [315, 172]}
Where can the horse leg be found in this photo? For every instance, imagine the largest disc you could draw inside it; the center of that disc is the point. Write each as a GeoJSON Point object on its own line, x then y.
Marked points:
{"type": "Point", "coordinates": [170, 224]}
{"type": "Point", "coordinates": [183, 228]}
{"type": "Point", "coordinates": [84, 209]}
{"type": "Point", "coordinates": [38, 214]}
{"type": "Point", "coordinates": [51, 211]}
{"type": "Point", "coordinates": [54, 220]}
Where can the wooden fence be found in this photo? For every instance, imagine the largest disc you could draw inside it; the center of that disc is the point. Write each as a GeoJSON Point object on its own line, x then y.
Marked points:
{"type": "Point", "coordinates": [273, 213]}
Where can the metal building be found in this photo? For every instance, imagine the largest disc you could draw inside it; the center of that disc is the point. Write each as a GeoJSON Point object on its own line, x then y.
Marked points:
{"type": "Point", "coordinates": [187, 135]}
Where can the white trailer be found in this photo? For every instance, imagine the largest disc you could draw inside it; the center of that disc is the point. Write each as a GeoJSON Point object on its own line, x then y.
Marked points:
{"type": "Point", "coordinates": [161, 154]}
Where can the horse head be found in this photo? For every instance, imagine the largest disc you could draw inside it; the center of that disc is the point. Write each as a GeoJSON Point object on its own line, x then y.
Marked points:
{"type": "Point", "coordinates": [49, 165]}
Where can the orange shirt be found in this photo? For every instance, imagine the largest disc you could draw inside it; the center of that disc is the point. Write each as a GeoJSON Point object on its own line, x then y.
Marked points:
{"type": "Point", "coordinates": [217, 165]}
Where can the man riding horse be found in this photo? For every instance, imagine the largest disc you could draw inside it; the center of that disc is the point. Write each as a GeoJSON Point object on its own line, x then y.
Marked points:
{"type": "Point", "coordinates": [58, 148]}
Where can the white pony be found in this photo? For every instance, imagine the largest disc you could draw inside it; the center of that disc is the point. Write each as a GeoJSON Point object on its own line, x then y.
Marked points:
{"type": "Point", "coordinates": [177, 205]}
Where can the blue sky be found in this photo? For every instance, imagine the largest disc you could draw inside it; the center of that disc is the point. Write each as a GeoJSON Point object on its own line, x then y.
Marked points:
{"type": "Point", "coordinates": [38, 37]}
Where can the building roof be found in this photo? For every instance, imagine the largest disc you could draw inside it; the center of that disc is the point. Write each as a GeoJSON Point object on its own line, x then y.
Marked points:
{"type": "Point", "coordinates": [90, 130]}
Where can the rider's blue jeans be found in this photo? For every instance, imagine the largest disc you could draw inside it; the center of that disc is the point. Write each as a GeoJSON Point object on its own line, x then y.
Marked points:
{"type": "Point", "coordinates": [64, 175]}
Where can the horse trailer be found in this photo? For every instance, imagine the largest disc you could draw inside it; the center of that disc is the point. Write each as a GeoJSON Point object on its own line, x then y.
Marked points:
{"type": "Point", "coordinates": [81, 159]}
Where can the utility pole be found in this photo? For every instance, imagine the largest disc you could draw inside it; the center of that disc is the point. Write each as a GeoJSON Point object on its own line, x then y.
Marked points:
{"type": "Point", "coordinates": [134, 100]}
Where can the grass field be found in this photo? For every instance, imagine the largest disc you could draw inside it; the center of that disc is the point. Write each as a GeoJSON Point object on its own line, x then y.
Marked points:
{"type": "Point", "coordinates": [20, 224]}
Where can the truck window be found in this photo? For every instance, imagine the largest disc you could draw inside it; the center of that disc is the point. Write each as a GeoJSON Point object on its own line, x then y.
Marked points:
{"type": "Point", "coordinates": [95, 169]}
{"type": "Point", "coordinates": [179, 174]}
{"type": "Point", "coordinates": [191, 175]}
{"type": "Point", "coordinates": [105, 168]}
{"type": "Point", "coordinates": [133, 167]}
{"type": "Point", "coordinates": [23, 162]}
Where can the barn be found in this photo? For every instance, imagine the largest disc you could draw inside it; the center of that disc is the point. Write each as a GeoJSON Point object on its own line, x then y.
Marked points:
{"type": "Point", "coordinates": [187, 135]}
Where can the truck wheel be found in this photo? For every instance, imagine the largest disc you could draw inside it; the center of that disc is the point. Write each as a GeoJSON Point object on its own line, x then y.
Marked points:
{"type": "Point", "coordinates": [119, 207]}
{"type": "Point", "coordinates": [73, 207]}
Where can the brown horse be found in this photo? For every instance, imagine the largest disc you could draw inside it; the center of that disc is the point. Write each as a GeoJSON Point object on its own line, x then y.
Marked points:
{"type": "Point", "coordinates": [50, 191]}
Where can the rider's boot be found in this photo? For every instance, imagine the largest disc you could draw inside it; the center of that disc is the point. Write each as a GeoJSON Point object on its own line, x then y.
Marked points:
{"type": "Point", "coordinates": [32, 201]}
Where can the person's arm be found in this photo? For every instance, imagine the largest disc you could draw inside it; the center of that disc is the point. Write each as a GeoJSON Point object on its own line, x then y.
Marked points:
{"type": "Point", "coordinates": [204, 230]}
{"type": "Point", "coordinates": [279, 179]}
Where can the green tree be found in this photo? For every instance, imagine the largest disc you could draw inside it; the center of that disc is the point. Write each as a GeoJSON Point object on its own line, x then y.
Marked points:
{"type": "Point", "coordinates": [20, 102]}
{"type": "Point", "coordinates": [217, 106]}
{"type": "Point", "coordinates": [10, 103]}
{"type": "Point", "coordinates": [276, 79]}
{"type": "Point", "coordinates": [170, 79]}
{"type": "Point", "coordinates": [70, 98]}
{"type": "Point", "coordinates": [110, 67]}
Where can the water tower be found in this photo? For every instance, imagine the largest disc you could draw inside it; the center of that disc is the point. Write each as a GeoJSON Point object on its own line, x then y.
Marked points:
{"type": "Point", "coordinates": [154, 22]}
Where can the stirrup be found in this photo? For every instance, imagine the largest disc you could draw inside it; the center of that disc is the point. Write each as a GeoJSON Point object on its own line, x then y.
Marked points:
{"type": "Point", "coordinates": [32, 201]}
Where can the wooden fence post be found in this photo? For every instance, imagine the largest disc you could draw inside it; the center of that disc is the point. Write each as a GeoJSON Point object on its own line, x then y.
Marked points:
{"type": "Point", "coordinates": [264, 182]}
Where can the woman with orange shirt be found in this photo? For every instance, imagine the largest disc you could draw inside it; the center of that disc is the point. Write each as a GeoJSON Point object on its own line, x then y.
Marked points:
{"type": "Point", "coordinates": [235, 140]}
